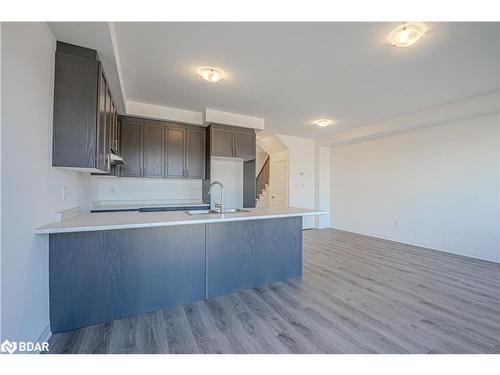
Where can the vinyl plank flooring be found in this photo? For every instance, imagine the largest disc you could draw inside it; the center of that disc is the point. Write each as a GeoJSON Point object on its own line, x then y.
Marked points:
{"type": "Point", "coordinates": [358, 294]}
{"type": "Point", "coordinates": [178, 331]}
{"type": "Point", "coordinates": [424, 305]}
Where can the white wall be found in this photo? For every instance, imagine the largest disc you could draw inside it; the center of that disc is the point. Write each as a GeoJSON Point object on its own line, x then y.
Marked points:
{"type": "Point", "coordinates": [323, 185]}
{"type": "Point", "coordinates": [112, 190]}
{"type": "Point", "coordinates": [32, 191]}
{"type": "Point", "coordinates": [436, 187]}
{"type": "Point", "coordinates": [229, 171]}
{"type": "Point", "coordinates": [302, 174]}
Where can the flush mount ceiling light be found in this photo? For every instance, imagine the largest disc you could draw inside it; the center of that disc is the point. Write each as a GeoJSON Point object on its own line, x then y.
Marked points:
{"type": "Point", "coordinates": [407, 34]}
{"type": "Point", "coordinates": [323, 122]}
{"type": "Point", "coordinates": [210, 74]}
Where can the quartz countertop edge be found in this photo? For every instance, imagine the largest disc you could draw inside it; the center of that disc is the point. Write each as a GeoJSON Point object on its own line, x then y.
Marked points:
{"type": "Point", "coordinates": [88, 222]}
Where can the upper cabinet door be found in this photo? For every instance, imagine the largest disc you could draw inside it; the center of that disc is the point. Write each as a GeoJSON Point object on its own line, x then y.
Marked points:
{"type": "Point", "coordinates": [76, 111]}
{"type": "Point", "coordinates": [175, 151]}
{"type": "Point", "coordinates": [131, 146]}
{"type": "Point", "coordinates": [114, 129]}
{"type": "Point", "coordinates": [195, 155]}
{"type": "Point", "coordinates": [109, 126]}
{"type": "Point", "coordinates": [153, 149]}
{"type": "Point", "coordinates": [244, 144]}
{"type": "Point", "coordinates": [222, 143]}
{"type": "Point", "coordinates": [102, 124]}
{"type": "Point", "coordinates": [83, 111]}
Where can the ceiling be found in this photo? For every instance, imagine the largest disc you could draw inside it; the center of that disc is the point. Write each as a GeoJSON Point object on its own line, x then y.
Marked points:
{"type": "Point", "coordinates": [292, 73]}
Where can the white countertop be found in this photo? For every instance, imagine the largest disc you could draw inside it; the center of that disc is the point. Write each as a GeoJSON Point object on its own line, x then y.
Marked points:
{"type": "Point", "coordinates": [86, 222]}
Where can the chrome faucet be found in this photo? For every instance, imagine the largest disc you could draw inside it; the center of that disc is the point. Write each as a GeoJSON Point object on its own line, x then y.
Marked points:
{"type": "Point", "coordinates": [217, 205]}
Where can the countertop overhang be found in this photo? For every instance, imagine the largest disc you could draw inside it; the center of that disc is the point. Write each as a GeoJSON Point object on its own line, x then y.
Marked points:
{"type": "Point", "coordinates": [87, 222]}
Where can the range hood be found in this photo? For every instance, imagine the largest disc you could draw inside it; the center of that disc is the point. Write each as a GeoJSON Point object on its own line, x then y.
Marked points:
{"type": "Point", "coordinates": [116, 159]}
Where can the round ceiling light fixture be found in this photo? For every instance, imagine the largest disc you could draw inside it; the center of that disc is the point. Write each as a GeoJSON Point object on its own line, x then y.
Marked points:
{"type": "Point", "coordinates": [407, 34]}
{"type": "Point", "coordinates": [323, 122]}
{"type": "Point", "coordinates": [210, 74]}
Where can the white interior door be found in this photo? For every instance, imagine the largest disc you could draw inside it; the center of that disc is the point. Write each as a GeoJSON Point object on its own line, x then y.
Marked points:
{"type": "Point", "coordinates": [278, 184]}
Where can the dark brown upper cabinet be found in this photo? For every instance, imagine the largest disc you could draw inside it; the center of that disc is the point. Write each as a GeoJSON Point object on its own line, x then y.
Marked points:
{"type": "Point", "coordinates": [175, 153]}
{"type": "Point", "coordinates": [158, 149]}
{"type": "Point", "coordinates": [101, 161]}
{"type": "Point", "coordinates": [153, 148]}
{"type": "Point", "coordinates": [244, 144]}
{"type": "Point", "coordinates": [82, 110]}
{"type": "Point", "coordinates": [185, 151]}
{"type": "Point", "coordinates": [231, 141]}
{"type": "Point", "coordinates": [221, 141]}
{"type": "Point", "coordinates": [195, 153]}
{"type": "Point", "coordinates": [132, 146]}
{"type": "Point", "coordinates": [114, 130]}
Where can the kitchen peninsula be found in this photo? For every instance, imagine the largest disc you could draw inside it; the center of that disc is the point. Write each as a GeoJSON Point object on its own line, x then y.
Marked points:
{"type": "Point", "coordinates": [113, 265]}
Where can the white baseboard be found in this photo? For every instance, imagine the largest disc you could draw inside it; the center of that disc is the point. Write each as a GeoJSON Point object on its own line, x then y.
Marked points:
{"type": "Point", "coordinates": [487, 258]}
{"type": "Point", "coordinates": [323, 227]}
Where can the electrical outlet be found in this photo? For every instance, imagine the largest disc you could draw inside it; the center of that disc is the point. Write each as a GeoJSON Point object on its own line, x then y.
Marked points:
{"type": "Point", "coordinates": [112, 189]}
{"type": "Point", "coordinates": [64, 192]}
{"type": "Point", "coordinates": [396, 223]}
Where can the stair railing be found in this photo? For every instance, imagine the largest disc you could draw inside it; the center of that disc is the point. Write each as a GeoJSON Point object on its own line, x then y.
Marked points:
{"type": "Point", "coordinates": [262, 178]}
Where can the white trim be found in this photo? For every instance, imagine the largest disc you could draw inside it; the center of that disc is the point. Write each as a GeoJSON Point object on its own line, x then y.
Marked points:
{"type": "Point", "coordinates": [161, 112]}
{"type": "Point", "coordinates": [462, 253]}
{"type": "Point", "coordinates": [476, 106]}
{"type": "Point", "coordinates": [116, 53]}
{"type": "Point", "coordinates": [235, 119]}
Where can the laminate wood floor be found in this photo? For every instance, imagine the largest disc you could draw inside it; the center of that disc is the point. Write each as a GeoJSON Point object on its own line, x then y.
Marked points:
{"type": "Point", "coordinates": [358, 294]}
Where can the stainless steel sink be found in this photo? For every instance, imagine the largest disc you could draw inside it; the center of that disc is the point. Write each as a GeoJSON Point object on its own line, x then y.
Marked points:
{"type": "Point", "coordinates": [234, 210]}
{"type": "Point", "coordinates": [200, 212]}
{"type": "Point", "coordinates": [208, 212]}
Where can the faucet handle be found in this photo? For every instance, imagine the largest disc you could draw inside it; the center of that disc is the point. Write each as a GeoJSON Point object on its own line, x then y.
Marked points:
{"type": "Point", "coordinates": [217, 205]}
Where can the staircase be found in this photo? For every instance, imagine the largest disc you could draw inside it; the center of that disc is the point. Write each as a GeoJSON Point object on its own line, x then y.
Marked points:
{"type": "Point", "coordinates": [263, 198]}
{"type": "Point", "coordinates": [262, 182]}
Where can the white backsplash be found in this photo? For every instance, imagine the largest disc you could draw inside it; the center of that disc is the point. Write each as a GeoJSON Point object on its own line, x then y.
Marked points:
{"type": "Point", "coordinates": [107, 190]}
{"type": "Point", "coordinates": [229, 171]}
